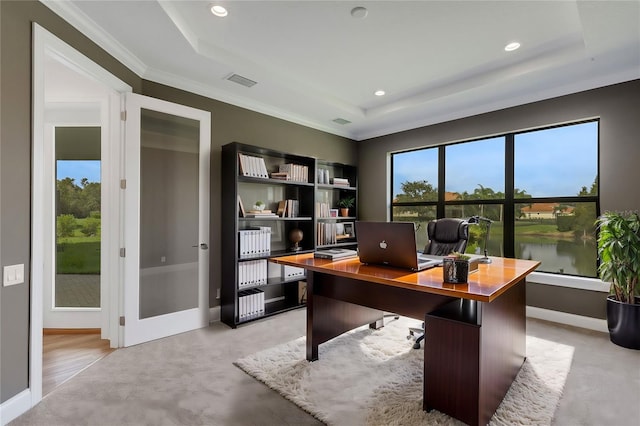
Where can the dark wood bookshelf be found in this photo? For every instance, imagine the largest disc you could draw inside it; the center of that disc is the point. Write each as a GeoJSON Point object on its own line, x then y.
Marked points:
{"type": "Point", "coordinates": [280, 293]}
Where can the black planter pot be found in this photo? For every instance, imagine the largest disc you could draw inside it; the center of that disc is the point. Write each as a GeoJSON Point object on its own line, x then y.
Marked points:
{"type": "Point", "coordinates": [623, 320]}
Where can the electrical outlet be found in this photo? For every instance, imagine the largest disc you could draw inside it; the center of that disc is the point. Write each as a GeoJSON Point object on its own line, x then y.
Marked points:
{"type": "Point", "coordinates": [218, 294]}
{"type": "Point", "coordinates": [163, 259]}
{"type": "Point", "coordinates": [13, 274]}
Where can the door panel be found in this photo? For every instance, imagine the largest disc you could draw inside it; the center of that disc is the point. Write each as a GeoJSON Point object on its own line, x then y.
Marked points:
{"type": "Point", "coordinates": [166, 219]}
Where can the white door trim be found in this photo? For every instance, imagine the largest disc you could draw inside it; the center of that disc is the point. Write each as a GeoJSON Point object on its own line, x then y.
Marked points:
{"type": "Point", "coordinates": [46, 43]}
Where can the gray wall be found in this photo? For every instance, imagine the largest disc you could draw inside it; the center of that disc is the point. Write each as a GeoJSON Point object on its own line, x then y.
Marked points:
{"type": "Point", "coordinates": [617, 106]}
{"type": "Point", "coordinates": [229, 124]}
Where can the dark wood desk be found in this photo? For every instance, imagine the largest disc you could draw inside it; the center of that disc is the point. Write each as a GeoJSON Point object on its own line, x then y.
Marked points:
{"type": "Point", "coordinates": [475, 332]}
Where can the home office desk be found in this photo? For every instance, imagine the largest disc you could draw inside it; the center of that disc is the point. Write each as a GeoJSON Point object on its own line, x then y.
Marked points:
{"type": "Point", "coordinates": [475, 332]}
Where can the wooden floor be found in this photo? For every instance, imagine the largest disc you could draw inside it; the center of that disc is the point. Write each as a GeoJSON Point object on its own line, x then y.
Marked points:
{"type": "Point", "coordinates": [65, 355]}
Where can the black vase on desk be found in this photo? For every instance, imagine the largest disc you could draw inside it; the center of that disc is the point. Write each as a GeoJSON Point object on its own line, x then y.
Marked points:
{"type": "Point", "coordinates": [455, 271]}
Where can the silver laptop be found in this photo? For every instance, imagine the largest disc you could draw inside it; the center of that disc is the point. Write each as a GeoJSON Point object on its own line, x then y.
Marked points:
{"type": "Point", "coordinates": [392, 244]}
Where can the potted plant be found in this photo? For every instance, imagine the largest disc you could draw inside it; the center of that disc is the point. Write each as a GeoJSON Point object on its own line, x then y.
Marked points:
{"type": "Point", "coordinates": [619, 253]}
{"type": "Point", "coordinates": [455, 268]}
{"type": "Point", "coordinates": [345, 204]}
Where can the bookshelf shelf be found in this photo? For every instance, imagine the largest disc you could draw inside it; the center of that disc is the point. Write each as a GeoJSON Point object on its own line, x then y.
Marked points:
{"type": "Point", "coordinates": [278, 290]}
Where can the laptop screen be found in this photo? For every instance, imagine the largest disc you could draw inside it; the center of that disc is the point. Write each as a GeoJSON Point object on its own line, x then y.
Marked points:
{"type": "Point", "coordinates": [388, 243]}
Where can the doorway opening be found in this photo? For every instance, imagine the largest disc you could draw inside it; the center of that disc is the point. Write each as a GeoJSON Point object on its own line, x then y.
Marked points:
{"type": "Point", "coordinates": [78, 218]}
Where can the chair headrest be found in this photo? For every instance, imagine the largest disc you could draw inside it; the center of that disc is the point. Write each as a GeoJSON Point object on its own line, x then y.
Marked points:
{"type": "Point", "coordinates": [448, 230]}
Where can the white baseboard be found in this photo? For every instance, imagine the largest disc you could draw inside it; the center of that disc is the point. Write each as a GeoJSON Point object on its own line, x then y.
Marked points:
{"type": "Point", "coordinates": [568, 319]}
{"type": "Point", "coordinates": [14, 407]}
{"type": "Point", "coordinates": [214, 314]}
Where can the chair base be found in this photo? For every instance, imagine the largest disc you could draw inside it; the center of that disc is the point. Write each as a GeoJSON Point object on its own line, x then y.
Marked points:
{"type": "Point", "coordinates": [418, 334]}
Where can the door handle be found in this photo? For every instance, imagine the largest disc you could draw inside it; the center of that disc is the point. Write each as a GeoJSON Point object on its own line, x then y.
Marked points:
{"type": "Point", "coordinates": [203, 246]}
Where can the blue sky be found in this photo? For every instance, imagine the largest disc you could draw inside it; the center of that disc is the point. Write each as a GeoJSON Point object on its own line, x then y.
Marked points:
{"type": "Point", "coordinates": [78, 169]}
{"type": "Point", "coordinates": [550, 162]}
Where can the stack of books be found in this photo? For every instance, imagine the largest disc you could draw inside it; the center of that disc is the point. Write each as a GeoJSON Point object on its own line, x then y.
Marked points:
{"type": "Point", "coordinates": [335, 254]}
{"type": "Point", "coordinates": [280, 176]}
{"type": "Point", "coordinates": [260, 213]}
{"type": "Point", "coordinates": [340, 181]}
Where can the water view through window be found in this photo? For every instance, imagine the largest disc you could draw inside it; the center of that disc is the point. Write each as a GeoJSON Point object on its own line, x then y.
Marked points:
{"type": "Point", "coordinates": [551, 176]}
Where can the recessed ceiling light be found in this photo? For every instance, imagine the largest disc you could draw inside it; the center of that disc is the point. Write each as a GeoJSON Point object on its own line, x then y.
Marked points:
{"type": "Point", "coordinates": [379, 93]}
{"type": "Point", "coordinates": [512, 46]}
{"type": "Point", "coordinates": [219, 10]}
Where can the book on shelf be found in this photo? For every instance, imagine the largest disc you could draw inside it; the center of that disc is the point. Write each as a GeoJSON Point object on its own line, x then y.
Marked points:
{"type": "Point", "coordinates": [289, 208]}
{"type": "Point", "coordinates": [326, 233]}
{"type": "Point", "coordinates": [296, 172]}
{"type": "Point", "coordinates": [254, 241]}
{"type": "Point", "coordinates": [340, 181]}
{"type": "Point", "coordinates": [335, 254]}
{"type": "Point", "coordinates": [241, 207]}
{"type": "Point", "coordinates": [289, 272]}
{"type": "Point", "coordinates": [323, 176]}
{"type": "Point", "coordinates": [280, 176]}
{"type": "Point", "coordinates": [250, 304]}
{"type": "Point", "coordinates": [323, 209]}
{"type": "Point", "coordinates": [253, 166]}
{"type": "Point", "coordinates": [260, 213]}
{"type": "Point", "coordinates": [252, 273]}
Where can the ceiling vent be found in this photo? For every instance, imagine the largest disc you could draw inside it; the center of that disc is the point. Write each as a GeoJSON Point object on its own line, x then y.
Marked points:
{"type": "Point", "coordinates": [341, 121]}
{"type": "Point", "coordinates": [243, 81]}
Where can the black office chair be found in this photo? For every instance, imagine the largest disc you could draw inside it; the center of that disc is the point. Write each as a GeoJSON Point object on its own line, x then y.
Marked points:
{"type": "Point", "coordinates": [446, 236]}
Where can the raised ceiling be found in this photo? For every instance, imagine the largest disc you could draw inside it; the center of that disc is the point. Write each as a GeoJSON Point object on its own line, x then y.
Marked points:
{"type": "Point", "coordinates": [314, 62]}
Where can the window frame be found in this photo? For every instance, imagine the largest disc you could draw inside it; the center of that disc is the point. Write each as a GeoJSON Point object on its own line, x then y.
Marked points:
{"type": "Point", "coordinates": [509, 201]}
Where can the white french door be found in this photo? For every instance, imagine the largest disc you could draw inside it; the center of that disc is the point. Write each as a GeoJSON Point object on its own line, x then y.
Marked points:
{"type": "Point", "coordinates": [166, 219]}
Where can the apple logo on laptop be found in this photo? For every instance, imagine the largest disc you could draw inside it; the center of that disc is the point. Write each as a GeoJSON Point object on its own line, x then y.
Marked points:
{"type": "Point", "coordinates": [383, 244]}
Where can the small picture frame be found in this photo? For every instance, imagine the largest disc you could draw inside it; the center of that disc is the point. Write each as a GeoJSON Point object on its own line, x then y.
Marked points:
{"type": "Point", "coordinates": [349, 229]}
{"type": "Point", "coordinates": [333, 212]}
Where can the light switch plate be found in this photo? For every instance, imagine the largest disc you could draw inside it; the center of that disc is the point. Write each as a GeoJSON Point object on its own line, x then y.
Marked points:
{"type": "Point", "coordinates": [13, 274]}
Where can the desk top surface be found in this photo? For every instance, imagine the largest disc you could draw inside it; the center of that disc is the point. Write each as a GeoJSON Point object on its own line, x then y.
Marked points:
{"type": "Point", "coordinates": [489, 282]}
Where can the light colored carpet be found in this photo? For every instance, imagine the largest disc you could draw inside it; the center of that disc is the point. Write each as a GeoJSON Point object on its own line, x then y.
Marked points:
{"type": "Point", "coordinates": [374, 377]}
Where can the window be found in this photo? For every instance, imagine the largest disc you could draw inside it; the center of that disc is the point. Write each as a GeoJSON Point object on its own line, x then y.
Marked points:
{"type": "Point", "coordinates": [538, 188]}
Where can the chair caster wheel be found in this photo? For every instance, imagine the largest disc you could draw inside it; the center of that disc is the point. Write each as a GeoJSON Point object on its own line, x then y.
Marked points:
{"type": "Point", "coordinates": [409, 337]}
{"type": "Point", "coordinates": [416, 345]}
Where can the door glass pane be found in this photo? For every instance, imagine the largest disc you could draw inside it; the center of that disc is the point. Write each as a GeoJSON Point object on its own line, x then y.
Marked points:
{"type": "Point", "coordinates": [77, 206]}
{"type": "Point", "coordinates": [169, 244]}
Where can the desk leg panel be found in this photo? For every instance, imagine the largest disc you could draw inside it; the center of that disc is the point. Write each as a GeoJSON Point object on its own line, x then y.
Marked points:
{"type": "Point", "coordinates": [502, 347]}
{"type": "Point", "coordinates": [470, 361]}
{"type": "Point", "coordinates": [328, 318]}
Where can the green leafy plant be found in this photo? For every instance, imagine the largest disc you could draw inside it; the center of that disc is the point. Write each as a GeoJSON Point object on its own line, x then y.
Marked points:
{"type": "Point", "coordinates": [619, 253]}
{"type": "Point", "coordinates": [459, 256]}
{"type": "Point", "coordinates": [347, 202]}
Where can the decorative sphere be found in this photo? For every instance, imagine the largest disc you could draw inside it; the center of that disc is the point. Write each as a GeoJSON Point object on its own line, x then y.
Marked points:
{"type": "Point", "coordinates": [295, 236]}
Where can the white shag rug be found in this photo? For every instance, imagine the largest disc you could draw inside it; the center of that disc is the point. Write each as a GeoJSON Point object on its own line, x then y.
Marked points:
{"type": "Point", "coordinates": [374, 377]}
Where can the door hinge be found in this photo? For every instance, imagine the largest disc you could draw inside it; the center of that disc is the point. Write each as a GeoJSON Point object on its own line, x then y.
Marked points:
{"type": "Point", "coordinates": [123, 184]}
{"type": "Point", "coordinates": [122, 321]}
{"type": "Point", "coordinates": [123, 115]}
{"type": "Point", "coordinates": [123, 252]}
